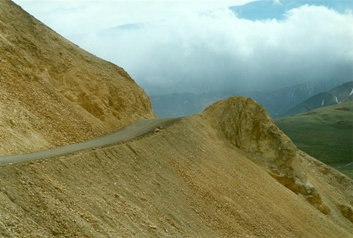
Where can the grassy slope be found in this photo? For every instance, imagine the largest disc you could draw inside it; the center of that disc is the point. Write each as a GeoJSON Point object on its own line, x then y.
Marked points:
{"type": "Point", "coordinates": [325, 133]}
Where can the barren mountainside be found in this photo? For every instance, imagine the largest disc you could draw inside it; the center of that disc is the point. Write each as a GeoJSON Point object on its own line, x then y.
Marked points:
{"type": "Point", "coordinates": [203, 176]}
{"type": "Point", "coordinates": [226, 172]}
{"type": "Point", "coordinates": [53, 93]}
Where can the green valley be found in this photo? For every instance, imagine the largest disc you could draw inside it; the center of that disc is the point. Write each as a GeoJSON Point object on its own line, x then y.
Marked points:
{"type": "Point", "coordinates": [325, 133]}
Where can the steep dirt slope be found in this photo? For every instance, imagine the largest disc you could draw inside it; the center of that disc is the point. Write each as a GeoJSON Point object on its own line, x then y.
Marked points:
{"type": "Point", "coordinates": [204, 176]}
{"type": "Point", "coordinates": [54, 93]}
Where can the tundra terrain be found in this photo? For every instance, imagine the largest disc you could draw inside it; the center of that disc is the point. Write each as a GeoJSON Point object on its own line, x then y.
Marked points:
{"type": "Point", "coordinates": [325, 133]}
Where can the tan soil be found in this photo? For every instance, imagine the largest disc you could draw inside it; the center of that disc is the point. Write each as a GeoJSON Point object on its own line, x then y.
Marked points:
{"type": "Point", "coordinates": [53, 93]}
{"type": "Point", "coordinates": [183, 181]}
{"type": "Point", "coordinates": [228, 172]}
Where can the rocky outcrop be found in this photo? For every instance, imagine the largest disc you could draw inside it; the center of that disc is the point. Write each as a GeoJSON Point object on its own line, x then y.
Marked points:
{"type": "Point", "coordinates": [247, 125]}
{"type": "Point", "coordinates": [53, 93]}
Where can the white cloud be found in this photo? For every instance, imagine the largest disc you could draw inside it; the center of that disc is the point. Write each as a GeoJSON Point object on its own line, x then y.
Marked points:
{"type": "Point", "coordinates": [178, 47]}
{"type": "Point", "coordinates": [278, 2]}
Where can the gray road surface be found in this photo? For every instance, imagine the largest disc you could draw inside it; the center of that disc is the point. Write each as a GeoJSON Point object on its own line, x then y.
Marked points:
{"type": "Point", "coordinates": [130, 132]}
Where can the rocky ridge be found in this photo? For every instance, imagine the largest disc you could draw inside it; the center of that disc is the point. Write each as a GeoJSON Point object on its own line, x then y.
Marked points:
{"type": "Point", "coordinates": [248, 126]}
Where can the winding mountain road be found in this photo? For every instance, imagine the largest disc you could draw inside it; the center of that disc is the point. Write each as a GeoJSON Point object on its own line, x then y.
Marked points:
{"type": "Point", "coordinates": [132, 131]}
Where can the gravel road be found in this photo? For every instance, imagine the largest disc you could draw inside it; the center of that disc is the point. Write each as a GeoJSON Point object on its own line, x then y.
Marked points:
{"type": "Point", "coordinates": [132, 131]}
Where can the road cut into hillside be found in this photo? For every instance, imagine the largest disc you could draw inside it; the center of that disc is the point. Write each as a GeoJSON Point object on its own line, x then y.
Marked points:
{"type": "Point", "coordinates": [130, 132]}
{"type": "Point", "coordinates": [195, 177]}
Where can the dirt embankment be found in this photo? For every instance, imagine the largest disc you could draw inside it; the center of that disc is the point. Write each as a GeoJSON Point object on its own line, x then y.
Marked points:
{"type": "Point", "coordinates": [187, 180]}
{"type": "Point", "coordinates": [53, 93]}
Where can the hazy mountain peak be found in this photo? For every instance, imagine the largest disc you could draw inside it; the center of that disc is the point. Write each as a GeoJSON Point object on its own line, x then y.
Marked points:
{"type": "Point", "coordinates": [336, 95]}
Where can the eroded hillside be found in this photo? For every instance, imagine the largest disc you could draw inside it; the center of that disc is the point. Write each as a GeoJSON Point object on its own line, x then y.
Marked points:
{"type": "Point", "coordinates": [53, 93]}
{"type": "Point", "coordinates": [207, 175]}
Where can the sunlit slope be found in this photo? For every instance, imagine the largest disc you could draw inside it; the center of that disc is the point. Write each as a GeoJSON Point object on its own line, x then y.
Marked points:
{"type": "Point", "coordinates": [192, 179]}
{"type": "Point", "coordinates": [53, 93]}
{"type": "Point", "coordinates": [325, 133]}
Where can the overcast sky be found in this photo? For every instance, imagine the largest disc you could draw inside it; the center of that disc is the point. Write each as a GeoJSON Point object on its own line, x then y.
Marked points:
{"type": "Point", "coordinates": [177, 46]}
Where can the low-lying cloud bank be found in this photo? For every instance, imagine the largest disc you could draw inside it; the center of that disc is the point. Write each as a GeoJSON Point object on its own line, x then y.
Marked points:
{"type": "Point", "coordinates": [216, 50]}
{"type": "Point", "coordinates": [178, 48]}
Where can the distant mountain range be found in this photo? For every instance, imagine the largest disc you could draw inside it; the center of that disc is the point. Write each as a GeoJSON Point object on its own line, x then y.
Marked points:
{"type": "Point", "coordinates": [276, 9]}
{"type": "Point", "coordinates": [337, 95]}
{"type": "Point", "coordinates": [277, 102]}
